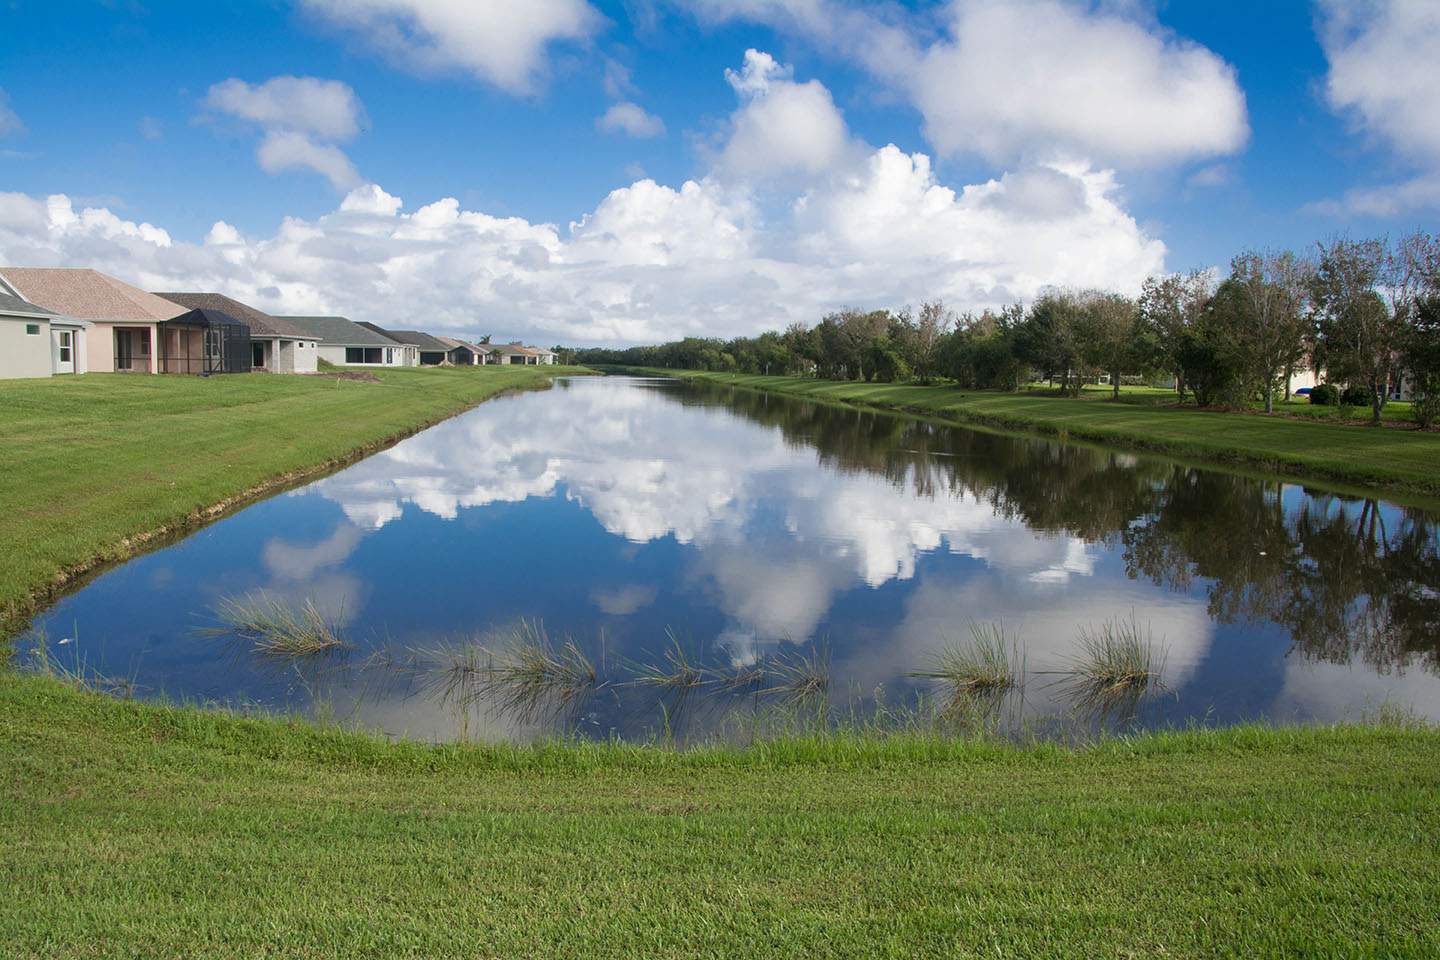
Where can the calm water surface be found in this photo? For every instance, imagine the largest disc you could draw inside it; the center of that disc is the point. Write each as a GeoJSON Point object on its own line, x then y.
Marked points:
{"type": "Point", "coordinates": [635, 515]}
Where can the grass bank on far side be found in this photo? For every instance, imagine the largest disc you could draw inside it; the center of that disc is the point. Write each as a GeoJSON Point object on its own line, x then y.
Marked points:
{"type": "Point", "coordinates": [1387, 458]}
{"type": "Point", "coordinates": [129, 829]}
{"type": "Point", "coordinates": [96, 466]}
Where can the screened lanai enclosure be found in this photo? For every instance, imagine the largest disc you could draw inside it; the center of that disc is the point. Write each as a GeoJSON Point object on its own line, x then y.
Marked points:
{"type": "Point", "coordinates": [204, 342]}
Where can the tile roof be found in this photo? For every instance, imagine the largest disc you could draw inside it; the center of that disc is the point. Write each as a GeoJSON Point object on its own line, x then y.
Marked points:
{"type": "Point", "coordinates": [340, 331]}
{"type": "Point", "coordinates": [88, 294]}
{"type": "Point", "coordinates": [261, 324]}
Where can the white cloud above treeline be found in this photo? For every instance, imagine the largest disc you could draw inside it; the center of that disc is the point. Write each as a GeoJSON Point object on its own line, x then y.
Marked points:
{"type": "Point", "coordinates": [733, 252]}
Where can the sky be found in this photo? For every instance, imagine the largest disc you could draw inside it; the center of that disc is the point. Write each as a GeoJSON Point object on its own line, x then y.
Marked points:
{"type": "Point", "coordinates": [629, 171]}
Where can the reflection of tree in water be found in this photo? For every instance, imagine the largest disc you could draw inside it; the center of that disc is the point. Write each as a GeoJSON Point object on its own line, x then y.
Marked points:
{"type": "Point", "coordinates": [1345, 577]}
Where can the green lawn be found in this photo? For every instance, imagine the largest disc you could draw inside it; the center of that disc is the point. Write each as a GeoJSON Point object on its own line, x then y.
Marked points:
{"type": "Point", "coordinates": [1401, 460]}
{"type": "Point", "coordinates": [130, 830]}
{"type": "Point", "coordinates": [143, 830]}
{"type": "Point", "coordinates": [88, 463]}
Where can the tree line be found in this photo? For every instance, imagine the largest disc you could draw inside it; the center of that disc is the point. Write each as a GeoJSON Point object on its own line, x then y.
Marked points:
{"type": "Point", "coordinates": [1363, 313]}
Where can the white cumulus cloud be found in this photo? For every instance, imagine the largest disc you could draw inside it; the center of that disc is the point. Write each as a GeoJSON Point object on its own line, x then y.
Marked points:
{"type": "Point", "coordinates": [782, 127]}
{"type": "Point", "coordinates": [632, 119]}
{"type": "Point", "coordinates": [1382, 56]}
{"type": "Point", "coordinates": [502, 43]}
{"type": "Point", "coordinates": [302, 118]}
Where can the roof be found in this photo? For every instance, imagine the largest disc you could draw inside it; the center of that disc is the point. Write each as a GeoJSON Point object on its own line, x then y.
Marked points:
{"type": "Point", "coordinates": [261, 324]}
{"type": "Point", "coordinates": [88, 294]}
{"type": "Point", "coordinates": [15, 305]}
{"type": "Point", "coordinates": [455, 344]}
{"type": "Point", "coordinates": [205, 318]}
{"type": "Point", "coordinates": [417, 339]}
{"type": "Point", "coordinates": [339, 331]}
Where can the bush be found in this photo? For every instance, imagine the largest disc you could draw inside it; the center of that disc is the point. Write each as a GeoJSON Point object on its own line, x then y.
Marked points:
{"type": "Point", "coordinates": [1325, 395]}
{"type": "Point", "coordinates": [1355, 396]}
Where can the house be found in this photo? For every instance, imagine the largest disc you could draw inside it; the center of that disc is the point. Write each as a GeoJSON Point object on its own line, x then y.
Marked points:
{"type": "Point", "coordinates": [346, 343]}
{"type": "Point", "coordinates": [204, 342]}
{"type": "Point", "coordinates": [546, 356]}
{"type": "Point", "coordinates": [35, 342]}
{"type": "Point", "coordinates": [517, 353]}
{"type": "Point", "coordinates": [432, 352]}
{"type": "Point", "coordinates": [123, 321]}
{"type": "Point", "coordinates": [275, 346]}
{"type": "Point", "coordinates": [463, 353]}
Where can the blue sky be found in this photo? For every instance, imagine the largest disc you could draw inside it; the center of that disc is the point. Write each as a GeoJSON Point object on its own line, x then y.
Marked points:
{"type": "Point", "coordinates": [114, 106]}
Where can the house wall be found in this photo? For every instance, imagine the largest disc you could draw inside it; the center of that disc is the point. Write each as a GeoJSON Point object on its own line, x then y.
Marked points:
{"type": "Point", "coordinates": [100, 345]}
{"type": "Point", "coordinates": [335, 353]}
{"type": "Point", "coordinates": [298, 356]}
{"type": "Point", "coordinates": [79, 347]}
{"type": "Point", "coordinates": [24, 354]}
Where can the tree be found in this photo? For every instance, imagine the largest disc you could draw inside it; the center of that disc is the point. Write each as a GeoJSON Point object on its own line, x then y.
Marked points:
{"type": "Point", "coordinates": [1047, 339]}
{"type": "Point", "coordinates": [932, 325]}
{"type": "Point", "coordinates": [1170, 307]}
{"type": "Point", "coordinates": [1109, 332]}
{"type": "Point", "coordinates": [1362, 296]}
{"type": "Point", "coordinates": [1274, 329]}
{"type": "Point", "coordinates": [1422, 339]}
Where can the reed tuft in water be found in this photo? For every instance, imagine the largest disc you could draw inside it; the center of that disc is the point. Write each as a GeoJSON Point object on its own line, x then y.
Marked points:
{"type": "Point", "coordinates": [988, 666]}
{"type": "Point", "coordinates": [800, 680]}
{"type": "Point", "coordinates": [529, 676]}
{"type": "Point", "coordinates": [1119, 663]}
{"type": "Point", "coordinates": [276, 629]}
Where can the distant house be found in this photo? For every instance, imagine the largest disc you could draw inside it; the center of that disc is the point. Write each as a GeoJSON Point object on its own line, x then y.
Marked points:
{"type": "Point", "coordinates": [275, 345]}
{"type": "Point", "coordinates": [463, 353]}
{"type": "Point", "coordinates": [347, 343]}
{"type": "Point", "coordinates": [432, 351]}
{"type": "Point", "coordinates": [518, 353]}
{"type": "Point", "coordinates": [35, 342]}
{"type": "Point", "coordinates": [123, 320]}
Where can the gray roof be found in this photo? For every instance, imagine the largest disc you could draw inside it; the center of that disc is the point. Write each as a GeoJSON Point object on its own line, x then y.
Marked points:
{"type": "Point", "coordinates": [9, 304]}
{"type": "Point", "coordinates": [261, 324]}
{"type": "Point", "coordinates": [339, 331]}
{"type": "Point", "coordinates": [424, 341]}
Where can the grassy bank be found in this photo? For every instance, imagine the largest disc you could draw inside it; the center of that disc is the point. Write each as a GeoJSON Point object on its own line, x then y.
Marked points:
{"type": "Point", "coordinates": [1402, 460]}
{"type": "Point", "coordinates": [138, 830]}
{"type": "Point", "coordinates": [95, 467]}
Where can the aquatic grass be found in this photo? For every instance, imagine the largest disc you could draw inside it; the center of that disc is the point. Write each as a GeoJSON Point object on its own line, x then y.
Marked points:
{"type": "Point", "coordinates": [678, 671]}
{"type": "Point", "coordinates": [801, 680]}
{"type": "Point", "coordinates": [78, 673]}
{"type": "Point", "coordinates": [1119, 664]}
{"type": "Point", "coordinates": [275, 629]}
{"type": "Point", "coordinates": [529, 676]}
{"type": "Point", "coordinates": [989, 666]}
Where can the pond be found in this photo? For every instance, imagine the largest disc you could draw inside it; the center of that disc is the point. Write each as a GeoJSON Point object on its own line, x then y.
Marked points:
{"type": "Point", "coordinates": [700, 561]}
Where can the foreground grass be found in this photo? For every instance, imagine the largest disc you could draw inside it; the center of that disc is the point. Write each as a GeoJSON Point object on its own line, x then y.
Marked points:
{"type": "Point", "coordinates": [1404, 460]}
{"type": "Point", "coordinates": [92, 463]}
{"type": "Point", "coordinates": [138, 830]}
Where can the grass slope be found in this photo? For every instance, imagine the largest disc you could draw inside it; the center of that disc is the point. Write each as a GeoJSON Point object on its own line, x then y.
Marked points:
{"type": "Point", "coordinates": [134, 830]}
{"type": "Point", "coordinates": [92, 463]}
{"type": "Point", "coordinates": [1397, 459]}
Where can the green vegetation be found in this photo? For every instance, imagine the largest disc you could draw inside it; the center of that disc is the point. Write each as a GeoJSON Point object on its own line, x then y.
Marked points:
{"type": "Point", "coordinates": [137, 830]}
{"type": "Point", "coordinates": [1399, 459]}
{"type": "Point", "coordinates": [275, 629]}
{"type": "Point", "coordinates": [96, 467]}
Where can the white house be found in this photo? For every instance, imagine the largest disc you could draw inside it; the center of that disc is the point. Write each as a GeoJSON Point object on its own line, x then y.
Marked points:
{"type": "Point", "coordinates": [346, 343]}
{"type": "Point", "coordinates": [35, 342]}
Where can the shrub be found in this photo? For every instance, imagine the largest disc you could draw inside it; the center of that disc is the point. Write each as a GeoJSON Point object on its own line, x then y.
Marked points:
{"type": "Point", "coordinates": [1325, 395]}
{"type": "Point", "coordinates": [1355, 396]}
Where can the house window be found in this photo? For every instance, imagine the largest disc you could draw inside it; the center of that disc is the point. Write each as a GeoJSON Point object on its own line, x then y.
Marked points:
{"type": "Point", "coordinates": [32, 329]}
{"type": "Point", "coordinates": [64, 346]}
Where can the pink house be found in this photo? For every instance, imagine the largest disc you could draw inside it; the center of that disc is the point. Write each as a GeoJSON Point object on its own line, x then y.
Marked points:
{"type": "Point", "coordinates": [122, 335]}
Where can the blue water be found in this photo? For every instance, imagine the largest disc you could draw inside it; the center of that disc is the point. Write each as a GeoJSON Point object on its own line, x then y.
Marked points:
{"type": "Point", "coordinates": [635, 515]}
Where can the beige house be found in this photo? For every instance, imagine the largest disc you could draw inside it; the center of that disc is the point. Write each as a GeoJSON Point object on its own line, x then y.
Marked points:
{"type": "Point", "coordinates": [276, 345]}
{"type": "Point", "coordinates": [35, 342]}
{"type": "Point", "coordinates": [121, 335]}
{"type": "Point", "coordinates": [346, 343]}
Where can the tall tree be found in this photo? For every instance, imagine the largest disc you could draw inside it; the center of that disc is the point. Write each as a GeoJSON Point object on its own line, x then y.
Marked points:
{"type": "Point", "coordinates": [1048, 341]}
{"type": "Point", "coordinates": [1170, 307]}
{"type": "Point", "coordinates": [1363, 294]}
{"type": "Point", "coordinates": [1110, 338]}
{"type": "Point", "coordinates": [1275, 330]}
{"type": "Point", "coordinates": [932, 325]}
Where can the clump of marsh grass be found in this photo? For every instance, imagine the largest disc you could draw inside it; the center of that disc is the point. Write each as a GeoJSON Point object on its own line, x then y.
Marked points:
{"type": "Point", "coordinates": [1119, 664]}
{"type": "Point", "coordinates": [275, 629]}
{"type": "Point", "coordinates": [986, 668]}
{"type": "Point", "coordinates": [526, 675]}
{"type": "Point", "coordinates": [677, 672]}
{"type": "Point", "coordinates": [801, 681]}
